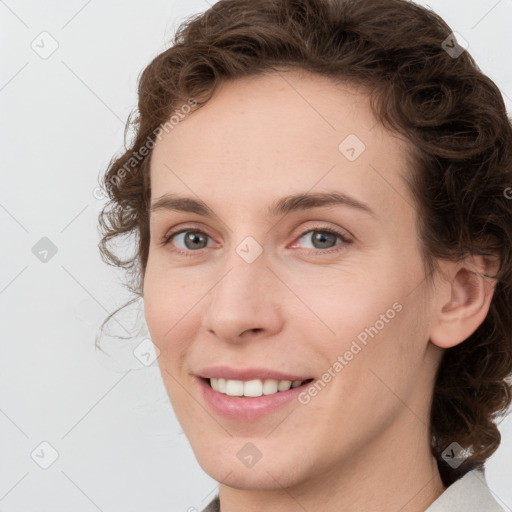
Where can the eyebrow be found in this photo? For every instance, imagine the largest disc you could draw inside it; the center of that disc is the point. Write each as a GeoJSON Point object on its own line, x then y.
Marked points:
{"type": "Point", "coordinates": [282, 206]}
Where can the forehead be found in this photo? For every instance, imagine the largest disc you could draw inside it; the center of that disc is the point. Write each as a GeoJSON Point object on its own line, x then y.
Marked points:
{"type": "Point", "coordinates": [283, 131]}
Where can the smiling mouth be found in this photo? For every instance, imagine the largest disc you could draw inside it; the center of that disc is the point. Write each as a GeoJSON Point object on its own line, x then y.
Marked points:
{"type": "Point", "coordinates": [253, 388]}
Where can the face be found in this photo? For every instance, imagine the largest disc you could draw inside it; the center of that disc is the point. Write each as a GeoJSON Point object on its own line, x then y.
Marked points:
{"type": "Point", "coordinates": [292, 255]}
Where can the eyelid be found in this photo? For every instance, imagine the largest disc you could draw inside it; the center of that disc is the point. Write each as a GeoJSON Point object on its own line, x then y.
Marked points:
{"type": "Point", "coordinates": [341, 234]}
{"type": "Point", "coordinates": [165, 240]}
{"type": "Point", "coordinates": [345, 235]}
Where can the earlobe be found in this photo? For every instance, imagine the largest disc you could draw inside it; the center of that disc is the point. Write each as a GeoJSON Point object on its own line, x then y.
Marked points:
{"type": "Point", "coordinates": [469, 293]}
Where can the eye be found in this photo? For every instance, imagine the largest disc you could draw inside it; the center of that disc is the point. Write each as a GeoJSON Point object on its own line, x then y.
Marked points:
{"type": "Point", "coordinates": [323, 238]}
{"type": "Point", "coordinates": [188, 240]}
{"type": "Point", "coordinates": [319, 239]}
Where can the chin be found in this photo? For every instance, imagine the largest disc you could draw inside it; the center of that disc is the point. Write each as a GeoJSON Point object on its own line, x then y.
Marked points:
{"type": "Point", "coordinates": [250, 479]}
{"type": "Point", "coordinates": [270, 472]}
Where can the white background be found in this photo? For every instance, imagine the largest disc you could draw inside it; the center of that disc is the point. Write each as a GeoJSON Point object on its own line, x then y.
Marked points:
{"type": "Point", "coordinates": [62, 118]}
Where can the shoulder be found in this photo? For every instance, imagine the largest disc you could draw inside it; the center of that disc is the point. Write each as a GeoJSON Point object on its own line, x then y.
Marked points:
{"type": "Point", "coordinates": [213, 506]}
{"type": "Point", "coordinates": [468, 494]}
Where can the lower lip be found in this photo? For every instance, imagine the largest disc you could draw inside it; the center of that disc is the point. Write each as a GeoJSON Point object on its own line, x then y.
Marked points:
{"type": "Point", "coordinates": [246, 408]}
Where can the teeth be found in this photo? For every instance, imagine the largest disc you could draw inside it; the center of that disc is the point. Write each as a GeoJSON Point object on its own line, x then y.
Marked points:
{"type": "Point", "coordinates": [252, 388]}
{"type": "Point", "coordinates": [270, 386]}
{"type": "Point", "coordinates": [284, 385]}
{"type": "Point", "coordinates": [234, 388]}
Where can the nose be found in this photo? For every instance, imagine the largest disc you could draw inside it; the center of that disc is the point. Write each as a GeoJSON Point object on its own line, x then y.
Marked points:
{"type": "Point", "coordinates": [246, 303]}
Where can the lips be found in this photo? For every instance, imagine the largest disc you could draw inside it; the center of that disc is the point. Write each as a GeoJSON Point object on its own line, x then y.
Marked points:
{"type": "Point", "coordinates": [247, 374]}
{"type": "Point", "coordinates": [253, 392]}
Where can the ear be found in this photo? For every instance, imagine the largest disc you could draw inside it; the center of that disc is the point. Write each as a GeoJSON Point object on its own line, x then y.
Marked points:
{"type": "Point", "coordinates": [463, 299]}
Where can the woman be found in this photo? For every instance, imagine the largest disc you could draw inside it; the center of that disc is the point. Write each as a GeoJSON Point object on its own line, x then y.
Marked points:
{"type": "Point", "coordinates": [339, 339]}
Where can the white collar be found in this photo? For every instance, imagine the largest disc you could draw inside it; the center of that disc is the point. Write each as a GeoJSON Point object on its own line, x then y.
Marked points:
{"type": "Point", "coordinates": [468, 494]}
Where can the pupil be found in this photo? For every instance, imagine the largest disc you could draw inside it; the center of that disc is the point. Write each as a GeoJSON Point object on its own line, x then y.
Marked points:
{"type": "Point", "coordinates": [322, 240]}
{"type": "Point", "coordinates": [193, 238]}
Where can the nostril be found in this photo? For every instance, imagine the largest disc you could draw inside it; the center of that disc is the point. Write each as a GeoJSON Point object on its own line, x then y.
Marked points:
{"type": "Point", "coordinates": [255, 329]}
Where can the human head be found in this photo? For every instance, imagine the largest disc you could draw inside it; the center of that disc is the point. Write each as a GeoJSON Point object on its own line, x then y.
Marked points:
{"type": "Point", "coordinates": [452, 116]}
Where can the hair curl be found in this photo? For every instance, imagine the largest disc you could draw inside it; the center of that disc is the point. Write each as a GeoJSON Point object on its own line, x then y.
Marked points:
{"type": "Point", "coordinates": [452, 114]}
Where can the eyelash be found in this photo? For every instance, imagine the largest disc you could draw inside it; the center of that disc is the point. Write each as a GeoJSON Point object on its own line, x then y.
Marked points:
{"type": "Point", "coordinates": [321, 229]}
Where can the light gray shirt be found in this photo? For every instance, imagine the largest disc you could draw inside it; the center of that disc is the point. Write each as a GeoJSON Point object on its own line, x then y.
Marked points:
{"type": "Point", "coordinates": [468, 494]}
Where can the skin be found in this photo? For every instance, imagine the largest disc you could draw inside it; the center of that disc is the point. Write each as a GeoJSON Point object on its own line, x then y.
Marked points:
{"type": "Point", "coordinates": [362, 443]}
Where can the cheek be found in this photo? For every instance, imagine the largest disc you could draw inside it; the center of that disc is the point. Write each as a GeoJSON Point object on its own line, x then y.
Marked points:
{"type": "Point", "coordinates": [375, 315]}
{"type": "Point", "coordinates": [165, 313]}
{"type": "Point", "coordinates": [168, 300]}
{"type": "Point", "coordinates": [343, 302]}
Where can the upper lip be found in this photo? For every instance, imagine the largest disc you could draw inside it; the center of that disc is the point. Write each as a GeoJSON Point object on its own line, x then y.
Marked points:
{"type": "Point", "coordinates": [225, 372]}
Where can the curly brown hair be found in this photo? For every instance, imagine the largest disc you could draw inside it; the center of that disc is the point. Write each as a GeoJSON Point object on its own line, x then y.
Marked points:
{"type": "Point", "coordinates": [452, 114]}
